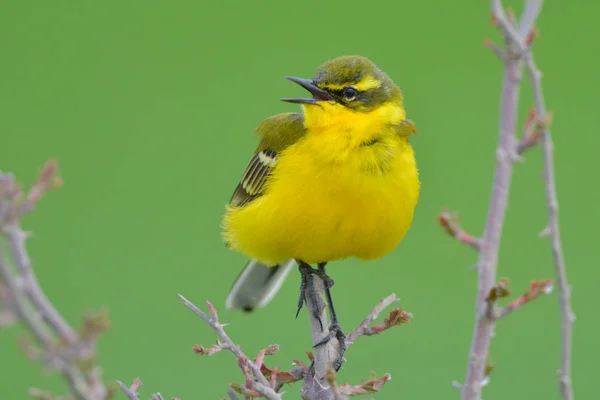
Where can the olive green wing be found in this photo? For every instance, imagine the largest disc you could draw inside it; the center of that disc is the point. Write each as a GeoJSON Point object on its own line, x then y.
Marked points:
{"type": "Point", "coordinates": [276, 134]}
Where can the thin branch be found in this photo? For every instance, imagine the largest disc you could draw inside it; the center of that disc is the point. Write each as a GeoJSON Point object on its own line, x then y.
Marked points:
{"type": "Point", "coordinates": [564, 289]}
{"type": "Point", "coordinates": [279, 378]}
{"type": "Point", "coordinates": [518, 43]}
{"type": "Point", "coordinates": [262, 382]}
{"type": "Point", "coordinates": [58, 345]}
{"type": "Point", "coordinates": [71, 351]}
{"type": "Point", "coordinates": [499, 51]}
{"type": "Point", "coordinates": [396, 317]}
{"type": "Point", "coordinates": [536, 289]}
{"type": "Point", "coordinates": [347, 390]}
{"type": "Point", "coordinates": [131, 391]}
{"type": "Point", "coordinates": [490, 242]}
{"type": "Point", "coordinates": [449, 221]}
{"type": "Point", "coordinates": [16, 240]}
{"type": "Point", "coordinates": [232, 396]}
{"type": "Point", "coordinates": [255, 380]}
{"type": "Point", "coordinates": [528, 18]}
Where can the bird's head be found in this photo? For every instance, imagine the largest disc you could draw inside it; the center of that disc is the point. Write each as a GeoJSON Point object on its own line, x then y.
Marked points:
{"type": "Point", "coordinates": [352, 82]}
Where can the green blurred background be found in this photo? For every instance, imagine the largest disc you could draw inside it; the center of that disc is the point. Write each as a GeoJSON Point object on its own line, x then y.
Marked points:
{"type": "Point", "coordinates": [150, 107]}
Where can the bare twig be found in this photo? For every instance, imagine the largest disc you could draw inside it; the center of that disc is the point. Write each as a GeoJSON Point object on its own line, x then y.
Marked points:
{"type": "Point", "coordinates": [536, 289]}
{"type": "Point", "coordinates": [490, 242]}
{"type": "Point", "coordinates": [58, 345]}
{"type": "Point", "coordinates": [532, 9]}
{"type": "Point", "coordinates": [232, 396]}
{"type": "Point", "coordinates": [262, 382]}
{"type": "Point", "coordinates": [71, 351]}
{"type": "Point", "coordinates": [255, 380]}
{"type": "Point", "coordinates": [518, 40]}
{"type": "Point", "coordinates": [280, 378]}
{"type": "Point", "coordinates": [499, 51]}
{"type": "Point", "coordinates": [347, 390]}
{"type": "Point", "coordinates": [396, 317]}
{"type": "Point", "coordinates": [564, 289]}
{"type": "Point", "coordinates": [131, 391]}
{"type": "Point", "coordinates": [449, 221]}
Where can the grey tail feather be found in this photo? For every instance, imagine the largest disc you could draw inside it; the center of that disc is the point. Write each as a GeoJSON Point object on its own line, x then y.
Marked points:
{"type": "Point", "coordinates": [257, 284]}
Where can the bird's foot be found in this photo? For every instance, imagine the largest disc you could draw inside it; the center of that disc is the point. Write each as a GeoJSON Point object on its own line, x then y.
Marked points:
{"type": "Point", "coordinates": [335, 330]}
{"type": "Point", "coordinates": [307, 282]}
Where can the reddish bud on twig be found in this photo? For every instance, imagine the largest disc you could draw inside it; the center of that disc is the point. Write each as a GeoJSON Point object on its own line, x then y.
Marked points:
{"type": "Point", "coordinates": [500, 52]}
{"type": "Point", "coordinates": [243, 364]}
{"type": "Point", "coordinates": [372, 386]}
{"type": "Point", "coordinates": [201, 350]}
{"type": "Point", "coordinates": [499, 291]}
{"type": "Point", "coordinates": [310, 355]}
{"type": "Point", "coordinates": [283, 377]}
{"type": "Point", "coordinates": [94, 323]}
{"type": "Point", "coordinates": [510, 13]}
{"type": "Point", "coordinates": [47, 181]}
{"type": "Point", "coordinates": [212, 310]}
{"type": "Point", "coordinates": [272, 349]}
{"type": "Point", "coordinates": [136, 384]}
{"type": "Point", "coordinates": [131, 391]}
{"type": "Point", "coordinates": [536, 289]}
{"type": "Point", "coordinates": [449, 221]}
{"type": "Point", "coordinates": [534, 130]}
{"type": "Point", "coordinates": [397, 317]}
{"type": "Point", "coordinates": [531, 37]}
{"type": "Point", "coordinates": [269, 351]}
{"type": "Point", "coordinates": [530, 119]}
{"type": "Point", "coordinates": [243, 390]}
{"type": "Point", "coordinates": [489, 367]}
{"type": "Point", "coordinates": [493, 20]}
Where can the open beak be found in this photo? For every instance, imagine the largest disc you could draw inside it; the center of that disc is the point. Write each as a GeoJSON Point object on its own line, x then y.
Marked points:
{"type": "Point", "coordinates": [318, 94]}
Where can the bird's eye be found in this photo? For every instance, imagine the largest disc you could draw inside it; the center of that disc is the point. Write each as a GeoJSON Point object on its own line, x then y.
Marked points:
{"type": "Point", "coordinates": [349, 93]}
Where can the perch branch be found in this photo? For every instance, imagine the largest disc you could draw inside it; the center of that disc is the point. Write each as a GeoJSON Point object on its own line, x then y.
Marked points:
{"type": "Point", "coordinates": [255, 380]}
{"type": "Point", "coordinates": [316, 386]}
{"type": "Point", "coordinates": [262, 382]}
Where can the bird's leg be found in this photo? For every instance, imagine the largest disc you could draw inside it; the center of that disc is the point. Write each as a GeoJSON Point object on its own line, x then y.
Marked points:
{"type": "Point", "coordinates": [307, 282]}
{"type": "Point", "coordinates": [335, 330]}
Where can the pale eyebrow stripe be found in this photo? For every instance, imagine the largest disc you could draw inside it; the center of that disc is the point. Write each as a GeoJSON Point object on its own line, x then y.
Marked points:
{"type": "Point", "coordinates": [365, 84]}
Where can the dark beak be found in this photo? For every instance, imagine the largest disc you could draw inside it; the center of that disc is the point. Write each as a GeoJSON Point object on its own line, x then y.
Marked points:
{"type": "Point", "coordinates": [318, 94]}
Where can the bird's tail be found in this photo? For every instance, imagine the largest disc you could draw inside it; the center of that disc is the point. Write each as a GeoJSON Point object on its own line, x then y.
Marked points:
{"type": "Point", "coordinates": [257, 284]}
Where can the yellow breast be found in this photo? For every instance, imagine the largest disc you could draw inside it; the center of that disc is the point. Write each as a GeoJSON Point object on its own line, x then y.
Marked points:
{"type": "Point", "coordinates": [345, 190]}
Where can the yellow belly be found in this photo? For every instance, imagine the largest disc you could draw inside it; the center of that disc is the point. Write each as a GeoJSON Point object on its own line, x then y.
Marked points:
{"type": "Point", "coordinates": [316, 210]}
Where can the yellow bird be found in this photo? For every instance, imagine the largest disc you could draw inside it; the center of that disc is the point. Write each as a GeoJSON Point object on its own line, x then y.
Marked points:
{"type": "Point", "coordinates": [336, 181]}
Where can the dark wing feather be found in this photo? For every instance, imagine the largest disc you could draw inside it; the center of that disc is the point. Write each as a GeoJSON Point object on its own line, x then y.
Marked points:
{"type": "Point", "coordinates": [253, 181]}
{"type": "Point", "coordinates": [276, 133]}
